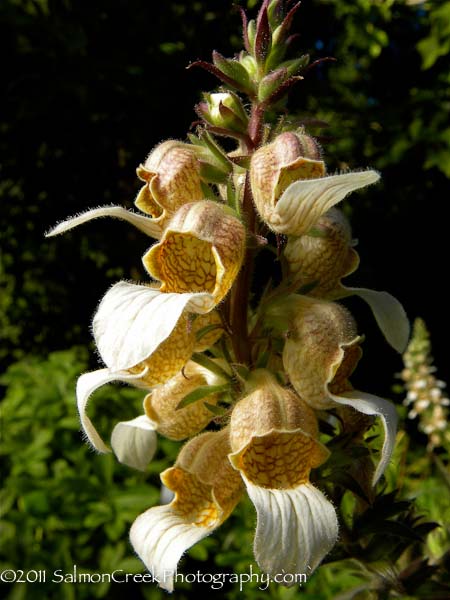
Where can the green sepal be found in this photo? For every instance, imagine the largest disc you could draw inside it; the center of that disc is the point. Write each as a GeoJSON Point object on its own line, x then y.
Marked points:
{"type": "Point", "coordinates": [241, 371]}
{"type": "Point", "coordinates": [295, 65]}
{"type": "Point", "coordinates": [216, 150]}
{"type": "Point", "coordinates": [216, 410]}
{"type": "Point", "coordinates": [205, 330]}
{"type": "Point", "coordinates": [275, 13]}
{"type": "Point", "coordinates": [251, 33]}
{"type": "Point", "coordinates": [207, 363]}
{"type": "Point", "coordinates": [208, 192]}
{"type": "Point", "coordinates": [271, 83]}
{"type": "Point", "coordinates": [201, 392]}
{"type": "Point", "coordinates": [211, 173]}
{"type": "Point", "coordinates": [233, 70]}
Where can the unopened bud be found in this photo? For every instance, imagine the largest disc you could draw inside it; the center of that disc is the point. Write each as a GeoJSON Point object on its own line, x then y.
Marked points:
{"type": "Point", "coordinates": [224, 110]}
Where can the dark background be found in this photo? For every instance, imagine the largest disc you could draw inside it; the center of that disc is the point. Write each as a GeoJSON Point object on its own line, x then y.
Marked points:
{"type": "Point", "coordinates": [88, 88]}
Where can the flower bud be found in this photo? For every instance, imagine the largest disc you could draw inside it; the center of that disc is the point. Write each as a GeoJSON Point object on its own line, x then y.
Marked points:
{"type": "Point", "coordinates": [224, 110]}
{"type": "Point", "coordinates": [172, 178]}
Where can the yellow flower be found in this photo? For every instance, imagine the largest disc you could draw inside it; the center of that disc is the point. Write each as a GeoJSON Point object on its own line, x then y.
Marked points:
{"type": "Point", "coordinates": [320, 354]}
{"type": "Point", "coordinates": [161, 403]}
{"type": "Point", "coordinates": [172, 178]}
{"type": "Point", "coordinates": [206, 488]}
{"type": "Point", "coordinates": [202, 250]}
{"type": "Point", "coordinates": [270, 446]}
{"type": "Point", "coordinates": [322, 257]}
{"type": "Point", "coordinates": [290, 189]}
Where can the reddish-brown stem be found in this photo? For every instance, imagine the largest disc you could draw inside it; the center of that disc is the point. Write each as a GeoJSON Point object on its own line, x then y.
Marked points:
{"type": "Point", "coordinates": [241, 290]}
{"type": "Point", "coordinates": [256, 125]}
{"type": "Point", "coordinates": [240, 295]}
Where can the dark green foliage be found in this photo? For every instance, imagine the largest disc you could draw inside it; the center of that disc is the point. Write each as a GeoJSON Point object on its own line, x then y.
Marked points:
{"type": "Point", "coordinates": [61, 504]}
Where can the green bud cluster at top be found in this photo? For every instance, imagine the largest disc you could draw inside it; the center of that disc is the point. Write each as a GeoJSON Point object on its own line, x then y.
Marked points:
{"type": "Point", "coordinates": [260, 72]}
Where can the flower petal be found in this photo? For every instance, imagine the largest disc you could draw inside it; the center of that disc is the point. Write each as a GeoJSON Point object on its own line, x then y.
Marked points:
{"type": "Point", "coordinates": [206, 490]}
{"type": "Point", "coordinates": [133, 320]}
{"type": "Point", "coordinates": [369, 404]}
{"type": "Point", "coordinates": [86, 386]}
{"type": "Point", "coordinates": [160, 537]}
{"type": "Point", "coordinates": [389, 314]}
{"type": "Point", "coordinates": [142, 223]}
{"type": "Point", "coordinates": [134, 442]}
{"type": "Point", "coordinates": [295, 528]}
{"type": "Point", "coordinates": [305, 201]}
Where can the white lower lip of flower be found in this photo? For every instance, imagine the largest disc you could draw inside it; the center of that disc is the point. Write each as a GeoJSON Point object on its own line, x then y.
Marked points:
{"type": "Point", "coordinates": [389, 315]}
{"type": "Point", "coordinates": [133, 320]}
{"type": "Point", "coordinates": [160, 537]}
{"type": "Point", "coordinates": [303, 203]}
{"type": "Point", "coordinates": [142, 223]}
{"type": "Point", "coordinates": [86, 386]}
{"type": "Point", "coordinates": [295, 528]}
{"type": "Point", "coordinates": [134, 442]}
{"type": "Point", "coordinates": [369, 404]}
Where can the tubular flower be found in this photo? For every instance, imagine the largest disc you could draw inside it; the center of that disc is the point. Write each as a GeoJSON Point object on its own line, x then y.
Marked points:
{"type": "Point", "coordinates": [322, 257]}
{"type": "Point", "coordinates": [172, 176]}
{"type": "Point", "coordinates": [201, 251]}
{"type": "Point", "coordinates": [206, 489]}
{"type": "Point", "coordinates": [290, 189]}
{"type": "Point", "coordinates": [273, 435]}
{"type": "Point", "coordinates": [270, 445]}
{"type": "Point", "coordinates": [197, 265]}
{"type": "Point", "coordinates": [161, 404]}
{"type": "Point", "coordinates": [320, 354]}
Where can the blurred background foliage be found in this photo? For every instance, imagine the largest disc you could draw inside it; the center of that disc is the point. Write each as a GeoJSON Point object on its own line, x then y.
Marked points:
{"type": "Point", "coordinates": [87, 90]}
